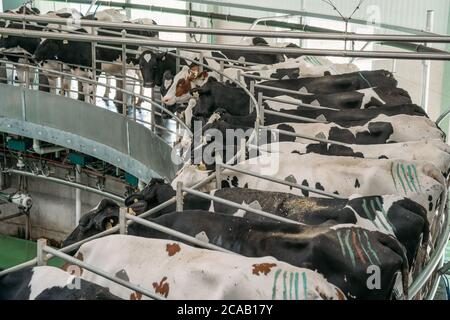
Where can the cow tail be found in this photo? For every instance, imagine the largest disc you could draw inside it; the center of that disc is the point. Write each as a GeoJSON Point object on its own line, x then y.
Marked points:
{"type": "Point", "coordinates": [399, 249]}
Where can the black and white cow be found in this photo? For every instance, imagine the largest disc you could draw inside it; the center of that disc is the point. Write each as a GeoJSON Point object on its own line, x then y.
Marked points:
{"type": "Point", "coordinates": [154, 64]}
{"type": "Point", "coordinates": [313, 247]}
{"type": "Point", "coordinates": [80, 53]}
{"type": "Point", "coordinates": [380, 130]}
{"type": "Point", "coordinates": [419, 181]}
{"type": "Point", "coordinates": [332, 84]}
{"type": "Point", "coordinates": [341, 117]}
{"type": "Point", "coordinates": [432, 151]}
{"type": "Point", "coordinates": [20, 49]}
{"type": "Point", "coordinates": [50, 283]}
{"type": "Point", "coordinates": [393, 215]}
{"type": "Point", "coordinates": [177, 271]}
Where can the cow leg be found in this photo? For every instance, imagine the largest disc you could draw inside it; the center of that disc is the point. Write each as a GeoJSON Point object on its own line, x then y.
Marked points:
{"type": "Point", "coordinates": [44, 82]}
{"type": "Point", "coordinates": [65, 86]}
{"type": "Point", "coordinates": [3, 73]}
{"type": "Point", "coordinates": [107, 88]}
{"type": "Point", "coordinates": [139, 100]}
{"type": "Point", "coordinates": [118, 99]}
{"type": "Point", "coordinates": [80, 91]}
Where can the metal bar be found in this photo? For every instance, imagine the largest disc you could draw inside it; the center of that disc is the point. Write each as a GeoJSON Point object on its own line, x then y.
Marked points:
{"type": "Point", "coordinates": [68, 183]}
{"type": "Point", "coordinates": [236, 32]}
{"type": "Point", "coordinates": [77, 195]}
{"type": "Point", "coordinates": [290, 116]}
{"type": "Point", "coordinates": [102, 273]}
{"type": "Point", "coordinates": [177, 234]}
{"type": "Point", "coordinates": [179, 196]}
{"type": "Point", "coordinates": [298, 135]}
{"type": "Point", "coordinates": [255, 49]}
{"type": "Point", "coordinates": [427, 271]}
{"type": "Point", "coordinates": [287, 183]}
{"type": "Point", "coordinates": [233, 18]}
{"type": "Point", "coordinates": [12, 216]}
{"type": "Point", "coordinates": [426, 65]}
{"type": "Point", "coordinates": [122, 221]}
{"type": "Point", "coordinates": [239, 206]}
{"type": "Point", "coordinates": [40, 255]}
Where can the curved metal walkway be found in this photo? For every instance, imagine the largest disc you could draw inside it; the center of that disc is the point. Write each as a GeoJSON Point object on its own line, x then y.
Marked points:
{"type": "Point", "coordinates": [82, 127]}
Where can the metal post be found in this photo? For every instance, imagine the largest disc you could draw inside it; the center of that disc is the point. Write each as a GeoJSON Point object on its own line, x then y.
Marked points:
{"type": "Point", "coordinates": [153, 127]}
{"type": "Point", "coordinates": [77, 195]}
{"type": "Point", "coordinates": [222, 68]}
{"type": "Point", "coordinates": [252, 91]}
{"type": "Point", "coordinates": [426, 65]}
{"type": "Point", "coordinates": [94, 66]}
{"type": "Point", "coordinates": [219, 162]}
{"type": "Point", "coordinates": [179, 196]}
{"type": "Point", "coordinates": [178, 61]}
{"type": "Point", "coordinates": [41, 256]}
{"type": "Point", "coordinates": [123, 220]}
{"type": "Point", "coordinates": [124, 74]}
{"type": "Point", "coordinates": [261, 107]}
{"type": "Point", "coordinates": [200, 59]}
{"type": "Point", "coordinates": [242, 150]}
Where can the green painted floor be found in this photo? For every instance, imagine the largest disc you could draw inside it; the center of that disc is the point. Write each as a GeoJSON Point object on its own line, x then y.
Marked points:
{"type": "Point", "coordinates": [14, 251]}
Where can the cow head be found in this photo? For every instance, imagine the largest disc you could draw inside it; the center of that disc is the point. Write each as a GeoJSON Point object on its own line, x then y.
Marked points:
{"type": "Point", "coordinates": [152, 68]}
{"type": "Point", "coordinates": [104, 216]}
{"type": "Point", "coordinates": [184, 81]}
{"type": "Point", "coordinates": [192, 174]}
{"type": "Point", "coordinates": [49, 49]}
{"type": "Point", "coordinates": [155, 193]}
{"type": "Point", "coordinates": [205, 101]}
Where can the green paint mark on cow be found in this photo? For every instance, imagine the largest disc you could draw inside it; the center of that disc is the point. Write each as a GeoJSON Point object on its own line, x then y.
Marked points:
{"type": "Point", "coordinates": [417, 177]}
{"type": "Point", "coordinates": [274, 287]}
{"type": "Point", "coordinates": [296, 285]}
{"type": "Point", "coordinates": [372, 204]}
{"type": "Point", "coordinates": [369, 246]}
{"type": "Point", "coordinates": [406, 177]}
{"type": "Point", "coordinates": [393, 176]}
{"type": "Point", "coordinates": [341, 243]}
{"type": "Point", "coordinates": [363, 248]}
{"type": "Point", "coordinates": [412, 178]}
{"type": "Point", "coordinates": [291, 277]}
{"type": "Point", "coordinates": [284, 286]}
{"type": "Point", "coordinates": [400, 178]}
{"type": "Point", "coordinates": [349, 248]}
{"type": "Point", "coordinates": [377, 199]}
{"type": "Point", "coordinates": [305, 289]}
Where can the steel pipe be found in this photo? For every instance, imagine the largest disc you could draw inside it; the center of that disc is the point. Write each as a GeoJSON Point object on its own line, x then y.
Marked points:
{"type": "Point", "coordinates": [239, 206]}
{"type": "Point", "coordinates": [235, 32]}
{"type": "Point", "coordinates": [102, 273]}
{"type": "Point", "coordinates": [286, 183]}
{"type": "Point", "coordinates": [203, 46]}
{"type": "Point", "coordinates": [67, 183]}
{"type": "Point", "coordinates": [176, 234]}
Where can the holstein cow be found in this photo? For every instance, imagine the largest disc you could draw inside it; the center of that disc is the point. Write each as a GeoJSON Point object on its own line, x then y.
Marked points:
{"type": "Point", "coordinates": [80, 53]}
{"type": "Point", "coordinates": [332, 84]}
{"type": "Point", "coordinates": [419, 181]}
{"type": "Point", "coordinates": [177, 271]}
{"type": "Point", "coordinates": [360, 99]}
{"type": "Point", "coordinates": [342, 253]}
{"type": "Point", "coordinates": [380, 130]}
{"type": "Point", "coordinates": [154, 64]}
{"type": "Point", "coordinates": [49, 283]}
{"type": "Point", "coordinates": [388, 214]}
{"type": "Point", "coordinates": [341, 117]}
{"type": "Point", "coordinates": [189, 78]}
{"type": "Point", "coordinates": [20, 49]}
{"type": "Point", "coordinates": [214, 95]}
{"type": "Point", "coordinates": [393, 215]}
{"type": "Point", "coordinates": [433, 151]}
